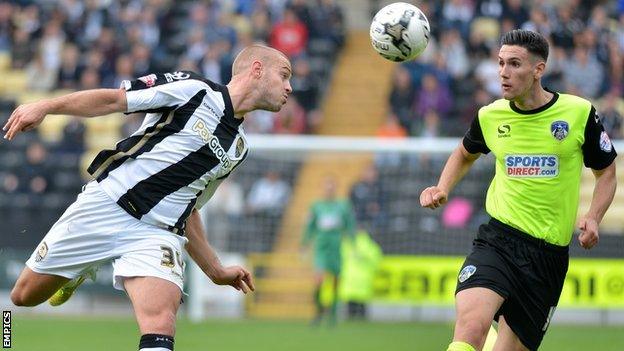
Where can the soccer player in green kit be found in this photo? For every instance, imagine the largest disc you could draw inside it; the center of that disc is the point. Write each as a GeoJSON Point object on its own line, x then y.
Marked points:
{"type": "Point", "coordinates": [519, 260]}
{"type": "Point", "coordinates": [329, 221]}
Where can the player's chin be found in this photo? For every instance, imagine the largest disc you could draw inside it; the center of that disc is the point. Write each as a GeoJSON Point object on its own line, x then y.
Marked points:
{"type": "Point", "coordinates": [275, 107]}
{"type": "Point", "coordinates": [508, 96]}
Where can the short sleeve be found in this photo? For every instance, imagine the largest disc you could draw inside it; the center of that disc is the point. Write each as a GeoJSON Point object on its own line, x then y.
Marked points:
{"type": "Point", "coordinates": [474, 141]}
{"type": "Point", "coordinates": [598, 150]}
{"type": "Point", "coordinates": [207, 193]}
{"type": "Point", "coordinates": [160, 91]}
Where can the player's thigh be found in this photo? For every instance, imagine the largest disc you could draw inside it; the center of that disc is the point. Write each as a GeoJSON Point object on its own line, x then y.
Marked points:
{"type": "Point", "coordinates": [475, 309]}
{"type": "Point", "coordinates": [32, 288]}
{"type": "Point", "coordinates": [507, 340]}
{"type": "Point", "coordinates": [155, 302]}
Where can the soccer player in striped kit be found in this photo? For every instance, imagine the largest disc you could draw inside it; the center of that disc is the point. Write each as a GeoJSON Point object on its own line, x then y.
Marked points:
{"type": "Point", "coordinates": [140, 209]}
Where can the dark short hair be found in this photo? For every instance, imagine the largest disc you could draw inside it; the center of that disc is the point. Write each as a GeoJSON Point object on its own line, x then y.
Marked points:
{"type": "Point", "coordinates": [534, 42]}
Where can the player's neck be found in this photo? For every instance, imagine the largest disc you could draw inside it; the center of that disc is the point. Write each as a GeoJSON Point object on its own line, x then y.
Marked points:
{"type": "Point", "coordinates": [242, 99]}
{"type": "Point", "coordinates": [535, 99]}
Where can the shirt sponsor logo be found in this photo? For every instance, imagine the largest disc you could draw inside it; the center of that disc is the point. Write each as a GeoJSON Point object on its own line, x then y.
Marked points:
{"type": "Point", "coordinates": [149, 80]}
{"type": "Point", "coordinates": [532, 165]}
{"type": "Point", "coordinates": [605, 142]}
{"type": "Point", "coordinates": [559, 129]}
{"type": "Point", "coordinates": [215, 146]}
{"type": "Point", "coordinates": [213, 142]}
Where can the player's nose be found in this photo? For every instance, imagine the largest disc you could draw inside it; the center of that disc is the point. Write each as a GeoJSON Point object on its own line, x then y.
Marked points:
{"type": "Point", "coordinates": [503, 72]}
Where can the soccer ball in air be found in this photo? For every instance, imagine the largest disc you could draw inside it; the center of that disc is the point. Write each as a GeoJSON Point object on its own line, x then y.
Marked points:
{"type": "Point", "coordinates": [400, 32]}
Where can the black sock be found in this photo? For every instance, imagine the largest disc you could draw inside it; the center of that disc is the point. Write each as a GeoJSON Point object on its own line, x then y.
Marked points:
{"type": "Point", "coordinates": [156, 342]}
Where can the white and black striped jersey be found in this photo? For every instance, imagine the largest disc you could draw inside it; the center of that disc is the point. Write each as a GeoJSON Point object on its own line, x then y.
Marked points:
{"type": "Point", "coordinates": [188, 142]}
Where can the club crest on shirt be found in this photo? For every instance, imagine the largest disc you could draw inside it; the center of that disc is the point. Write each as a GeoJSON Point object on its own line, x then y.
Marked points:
{"type": "Point", "coordinates": [42, 252]}
{"type": "Point", "coordinates": [559, 129]}
{"type": "Point", "coordinates": [605, 142]}
{"type": "Point", "coordinates": [466, 273]}
{"type": "Point", "coordinates": [240, 146]}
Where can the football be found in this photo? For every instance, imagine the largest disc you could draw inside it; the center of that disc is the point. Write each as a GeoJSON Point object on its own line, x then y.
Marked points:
{"type": "Point", "coordinates": [400, 32]}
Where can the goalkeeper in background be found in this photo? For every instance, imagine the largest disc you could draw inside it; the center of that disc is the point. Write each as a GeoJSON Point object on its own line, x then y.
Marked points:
{"type": "Point", "coordinates": [519, 260]}
{"type": "Point", "coordinates": [329, 220]}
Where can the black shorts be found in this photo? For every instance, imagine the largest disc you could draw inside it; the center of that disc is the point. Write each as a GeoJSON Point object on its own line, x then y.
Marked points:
{"type": "Point", "coordinates": [526, 271]}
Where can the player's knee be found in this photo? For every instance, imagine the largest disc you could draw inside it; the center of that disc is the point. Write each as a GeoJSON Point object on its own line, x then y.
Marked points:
{"type": "Point", "coordinates": [472, 330]}
{"type": "Point", "coordinates": [162, 322]}
{"type": "Point", "coordinates": [19, 298]}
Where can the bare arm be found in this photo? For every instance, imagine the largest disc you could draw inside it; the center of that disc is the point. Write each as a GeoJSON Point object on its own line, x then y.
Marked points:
{"type": "Point", "coordinates": [604, 190]}
{"type": "Point", "coordinates": [87, 103]}
{"type": "Point", "coordinates": [456, 167]}
{"type": "Point", "coordinates": [206, 258]}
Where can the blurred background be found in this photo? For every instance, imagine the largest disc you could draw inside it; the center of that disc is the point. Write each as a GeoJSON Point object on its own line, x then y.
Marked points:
{"type": "Point", "coordinates": [381, 130]}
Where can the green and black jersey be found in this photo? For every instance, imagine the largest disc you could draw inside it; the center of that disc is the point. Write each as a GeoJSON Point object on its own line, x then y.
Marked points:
{"type": "Point", "coordinates": [539, 155]}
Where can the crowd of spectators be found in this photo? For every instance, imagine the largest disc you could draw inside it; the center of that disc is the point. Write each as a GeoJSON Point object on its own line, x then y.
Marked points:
{"type": "Point", "coordinates": [71, 44]}
{"type": "Point", "coordinates": [440, 93]}
{"type": "Point", "coordinates": [74, 45]}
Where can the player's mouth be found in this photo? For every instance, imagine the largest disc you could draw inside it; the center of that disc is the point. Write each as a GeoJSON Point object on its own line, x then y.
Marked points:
{"type": "Point", "coordinates": [506, 86]}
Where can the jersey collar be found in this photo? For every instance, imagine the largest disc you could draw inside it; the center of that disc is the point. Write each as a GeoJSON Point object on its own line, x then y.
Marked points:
{"type": "Point", "coordinates": [536, 110]}
{"type": "Point", "coordinates": [229, 108]}
{"type": "Point", "coordinates": [227, 100]}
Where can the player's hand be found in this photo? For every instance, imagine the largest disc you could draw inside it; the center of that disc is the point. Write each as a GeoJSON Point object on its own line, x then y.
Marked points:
{"type": "Point", "coordinates": [589, 232]}
{"type": "Point", "coordinates": [433, 197]}
{"type": "Point", "coordinates": [24, 118]}
{"type": "Point", "coordinates": [237, 277]}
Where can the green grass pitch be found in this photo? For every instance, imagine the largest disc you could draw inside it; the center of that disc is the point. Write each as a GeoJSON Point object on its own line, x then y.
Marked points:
{"type": "Point", "coordinates": [33, 333]}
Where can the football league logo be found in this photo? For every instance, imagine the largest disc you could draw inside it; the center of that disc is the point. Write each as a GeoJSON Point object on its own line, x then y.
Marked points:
{"type": "Point", "coordinates": [559, 129]}
{"type": "Point", "coordinates": [466, 273]}
{"type": "Point", "coordinates": [605, 142]}
{"type": "Point", "coordinates": [149, 80]}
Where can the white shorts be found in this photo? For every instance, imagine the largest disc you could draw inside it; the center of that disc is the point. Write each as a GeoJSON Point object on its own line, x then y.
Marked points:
{"type": "Point", "coordinates": [95, 230]}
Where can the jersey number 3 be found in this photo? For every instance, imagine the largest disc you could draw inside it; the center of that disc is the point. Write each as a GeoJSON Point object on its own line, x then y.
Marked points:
{"type": "Point", "coordinates": [168, 259]}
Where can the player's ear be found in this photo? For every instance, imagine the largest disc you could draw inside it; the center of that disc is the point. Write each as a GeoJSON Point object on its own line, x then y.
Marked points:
{"type": "Point", "coordinates": [256, 69]}
{"type": "Point", "coordinates": [540, 68]}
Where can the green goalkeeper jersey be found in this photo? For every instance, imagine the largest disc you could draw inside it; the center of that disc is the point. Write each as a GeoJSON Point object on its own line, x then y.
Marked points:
{"type": "Point", "coordinates": [328, 222]}
{"type": "Point", "coordinates": [539, 155]}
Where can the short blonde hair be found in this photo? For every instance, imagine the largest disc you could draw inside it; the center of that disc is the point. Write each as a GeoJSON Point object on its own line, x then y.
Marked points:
{"type": "Point", "coordinates": [252, 53]}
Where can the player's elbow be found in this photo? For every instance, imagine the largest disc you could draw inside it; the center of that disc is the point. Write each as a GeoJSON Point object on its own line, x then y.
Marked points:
{"type": "Point", "coordinates": [465, 155]}
{"type": "Point", "coordinates": [120, 101]}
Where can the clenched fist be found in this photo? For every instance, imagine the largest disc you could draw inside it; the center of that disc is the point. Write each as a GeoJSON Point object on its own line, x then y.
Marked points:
{"type": "Point", "coordinates": [433, 197]}
{"type": "Point", "coordinates": [589, 232]}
